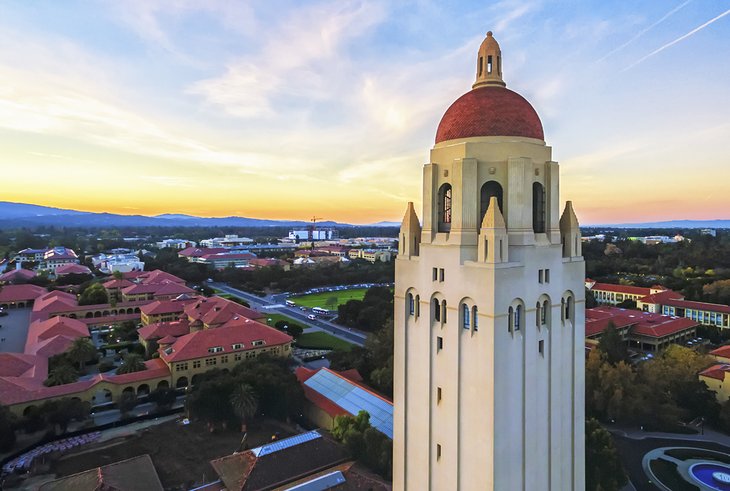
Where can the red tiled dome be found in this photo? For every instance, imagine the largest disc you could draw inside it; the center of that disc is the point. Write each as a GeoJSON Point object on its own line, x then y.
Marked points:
{"type": "Point", "coordinates": [489, 111]}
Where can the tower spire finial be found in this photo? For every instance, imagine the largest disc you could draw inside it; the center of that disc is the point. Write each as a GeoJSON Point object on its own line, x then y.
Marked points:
{"type": "Point", "coordinates": [489, 64]}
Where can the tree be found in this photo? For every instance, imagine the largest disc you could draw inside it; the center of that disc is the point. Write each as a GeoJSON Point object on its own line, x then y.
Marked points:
{"type": "Point", "coordinates": [126, 331]}
{"type": "Point", "coordinates": [244, 402]}
{"type": "Point", "coordinates": [62, 374]}
{"type": "Point", "coordinates": [60, 413]}
{"type": "Point", "coordinates": [613, 344]}
{"type": "Point", "coordinates": [94, 295]}
{"type": "Point", "coordinates": [604, 471]}
{"type": "Point", "coordinates": [8, 422]}
{"type": "Point", "coordinates": [127, 402]}
{"type": "Point", "coordinates": [81, 351]}
{"type": "Point", "coordinates": [366, 443]}
{"type": "Point", "coordinates": [331, 302]}
{"type": "Point", "coordinates": [133, 362]}
{"type": "Point", "coordinates": [163, 398]}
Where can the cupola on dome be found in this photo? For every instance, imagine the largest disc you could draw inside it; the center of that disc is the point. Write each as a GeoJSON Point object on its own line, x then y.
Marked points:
{"type": "Point", "coordinates": [489, 109]}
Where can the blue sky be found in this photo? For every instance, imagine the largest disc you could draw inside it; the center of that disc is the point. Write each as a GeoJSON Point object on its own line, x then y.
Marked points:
{"type": "Point", "coordinates": [293, 109]}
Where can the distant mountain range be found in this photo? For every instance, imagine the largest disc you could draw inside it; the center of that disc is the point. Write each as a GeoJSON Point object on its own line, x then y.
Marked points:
{"type": "Point", "coordinates": [26, 215]}
{"type": "Point", "coordinates": [670, 224]}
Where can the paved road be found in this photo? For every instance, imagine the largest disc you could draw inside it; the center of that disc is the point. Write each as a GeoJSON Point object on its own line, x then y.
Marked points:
{"type": "Point", "coordinates": [276, 303]}
{"type": "Point", "coordinates": [14, 330]}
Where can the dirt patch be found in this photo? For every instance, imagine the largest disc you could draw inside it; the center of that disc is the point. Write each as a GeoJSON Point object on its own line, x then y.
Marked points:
{"type": "Point", "coordinates": [181, 454]}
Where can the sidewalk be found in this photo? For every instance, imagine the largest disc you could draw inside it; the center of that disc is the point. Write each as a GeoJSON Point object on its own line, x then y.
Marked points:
{"type": "Point", "coordinates": [709, 435]}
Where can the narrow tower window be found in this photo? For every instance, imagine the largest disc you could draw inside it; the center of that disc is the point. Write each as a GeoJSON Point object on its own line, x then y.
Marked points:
{"type": "Point", "coordinates": [443, 309]}
{"type": "Point", "coordinates": [544, 312]}
{"type": "Point", "coordinates": [475, 318]}
{"type": "Point", "coordinates": [444, 219]}
{"type": "Point", "coordinates": [489, 64]}
{"type": "Point", "coordinates": [518, 317]}
{"type": "Point", "coordinates": [418, 306]}
{"type": "Point", "coordinates": [411, 305]}
{"type": "Point", "coordinates": [538, 208]}
{"type": "Point", "coordinates": [510, 319]}
{"type": "Point", "coordinates": [480, 69]}
{"type": "Point", "coordinates": [436, 310]}
{"type": "Point", "coordinates": [465, 314]}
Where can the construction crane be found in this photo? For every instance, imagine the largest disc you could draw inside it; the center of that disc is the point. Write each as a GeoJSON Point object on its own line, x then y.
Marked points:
{"type": "Point", "coordinates": [313, 229]}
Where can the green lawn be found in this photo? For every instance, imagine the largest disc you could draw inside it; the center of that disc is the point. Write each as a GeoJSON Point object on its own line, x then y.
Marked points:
{"type": "Point", "coordinates": [321, 340]}
{"type": "Point", "coordinates": [321, 299]}
{"type": "Point", "coordinates": [280, 317]}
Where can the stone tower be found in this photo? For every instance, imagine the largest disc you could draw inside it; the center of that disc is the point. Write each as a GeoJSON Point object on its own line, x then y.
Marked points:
{"type": "Point", "coordinates": [489, 307]}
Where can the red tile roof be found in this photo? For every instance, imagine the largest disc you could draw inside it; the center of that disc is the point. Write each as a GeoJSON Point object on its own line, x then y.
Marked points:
{"type": "Point", "coordinates": [716, 371]}
{"type": "Point", "coordinates": [165, 306]}
{"type": "Point", "coordinates": [631, 290]}
{"type": "Point", "coordinates": [72, 269]}
{"type": "Point", "coordinates": [20, 364]}
{"type": "Point", "coordinates": [489, 111]}
{"type": "Point", "coordinates": [156, 368]}
{"type": "Point", "coordinates": [661, 297]}
{"type": "Point", "coordinates": [200, 251]}
{"type": "Point", "coordinates": [722, 351]}
{"type": "Point", "coordinates": [642, 323]}
{"type": "Point", "coordinates": [159, 276]}
{"type": "Point", "coordinates": [162, 329]}
{"type": "Point", "coordinates": [20, 293]}
{"type": "Point", "coordinates": [688, 304]}
{"type": "Point", "coordinates": [117, 283]}
{"type": "Point", "coordinates": [17, 275]}
{"type": "Point", "coordinates": [196, 344]}
{"type": "Point", "coordinates": [217, 310]}
{"type": "Point", "coordinates": [39, 331]}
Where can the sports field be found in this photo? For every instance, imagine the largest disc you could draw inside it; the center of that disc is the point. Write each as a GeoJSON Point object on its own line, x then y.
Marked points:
{"type": "Point", "coordinates": [322, 340]}
{"type": "Point", "coordinates": [323, 299]}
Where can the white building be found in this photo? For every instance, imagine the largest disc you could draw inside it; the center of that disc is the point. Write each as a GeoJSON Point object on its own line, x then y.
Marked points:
{"type": "Point", "coordinates": [227, 241]}
{"type": "Point", "coordinates": [175, 243]}
{"type": "Point", "coordinates": [123, 262]}
{"type": "Point", "coordinates": [318, 234]}
{"type": "Point", "coordinates": [489, 307]}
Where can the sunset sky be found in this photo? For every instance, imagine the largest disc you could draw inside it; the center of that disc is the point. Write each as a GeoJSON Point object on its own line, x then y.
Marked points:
{"type": "Point", "coordinates": [277, 109]}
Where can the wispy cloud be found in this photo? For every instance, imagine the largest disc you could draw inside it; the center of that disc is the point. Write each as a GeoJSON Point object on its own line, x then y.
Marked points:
{"type": "Point", "coordinates": [645, 30]}
{"type": "Point", "coordinates": [679, 39]}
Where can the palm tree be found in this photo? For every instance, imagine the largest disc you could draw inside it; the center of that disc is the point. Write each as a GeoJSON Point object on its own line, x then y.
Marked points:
{"type": "Point", "coordinates": [62, 374]}
{"type": "Point", "coordinates": [245, 402]}
{"type": "Point", "coordinates": [81, 351]}
{"type": "Point", "coordinates": [133, 362]}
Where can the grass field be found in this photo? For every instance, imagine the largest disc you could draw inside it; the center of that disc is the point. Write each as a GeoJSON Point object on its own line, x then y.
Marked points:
{"type": "Point", "coordinates": [280, 317]}
{"type": "Point", "coordinates": [320, 299]}
{"type": "Point", "coordinates": [321, 340]}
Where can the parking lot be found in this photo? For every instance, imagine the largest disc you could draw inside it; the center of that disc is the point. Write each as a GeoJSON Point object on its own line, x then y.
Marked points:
{"type": "Point", "coordinates": [14, 330]}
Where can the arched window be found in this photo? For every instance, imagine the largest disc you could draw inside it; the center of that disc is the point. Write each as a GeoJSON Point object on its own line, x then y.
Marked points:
{"type": "Point", "coordinates": [510, 319]}
{"type": "Point", "coordinates": [562, 310]}
{"type": "Point", "coordinates": [569, 308]}
{"type": "Point", "coordinates": [544, 312]}
{"type": "Point", "coordinates": [518, 317]}
{"type": "Point", "coordinates": [444, 208]}
{"type": "Point", "coordinates": [418, 306]}
{"type": "Point", "coordinates": [443, 310]}
{"type": "Point", "coordinates": [465, 312]}
{"type": "Point", "coordinates": [538, 311]}
{"type": "Point", "coordinates": [475, 318]}
{"type": "Point", "coordinates": [436, 310]}
{"type": "Point", "coordinates": [538, 208]}
{"type": "Point", "coordinates": [489, 189]}
{"type": "Point", "coordinates": [411, 305]}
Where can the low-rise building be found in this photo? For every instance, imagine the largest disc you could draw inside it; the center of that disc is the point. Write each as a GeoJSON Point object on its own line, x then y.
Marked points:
{"type": "Point", "coordinates": [118, 262]}
{"type": "Point", "coordinates": [227, 241]}
{"type": "Point", "coordinates": [717, 380]}
{"type": "Point", "coordinates": [56, 257]}
{"type": "Point", "coordinates": [371, 255]}
{"type": "Point", "coordinates": [228, 259]}
{"type": "Point", "coordinates": [645, 331]}
{"type": "Point", "coordinates": [17, 276]}
{"type": "Point", "coordinates": [67, 269]}
{"type": "Point", "coordinates": [19, 296]}
{"type": "Point", "coordinates": [175, 244]}
{"type": "Point", "coordinates": [330, 394]}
